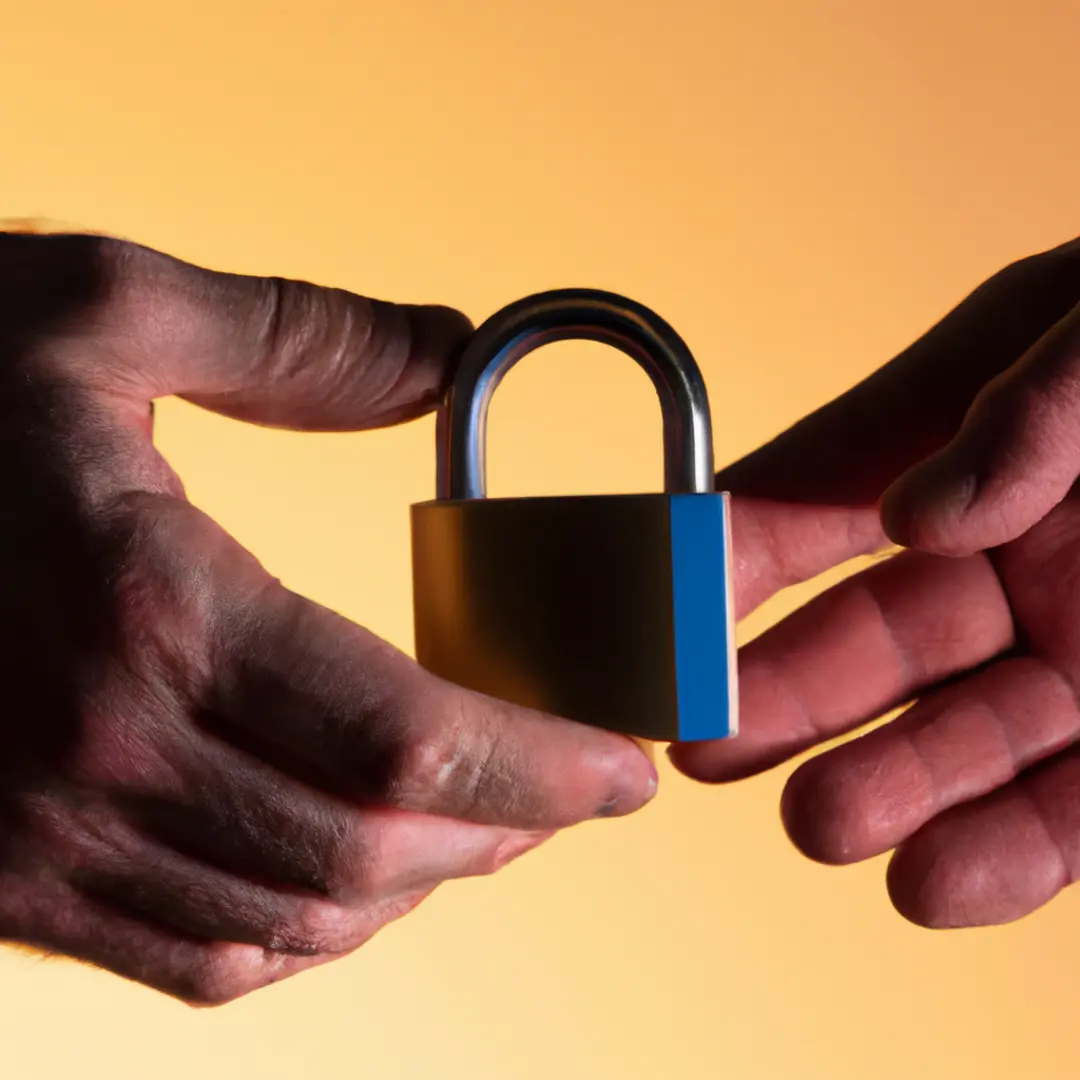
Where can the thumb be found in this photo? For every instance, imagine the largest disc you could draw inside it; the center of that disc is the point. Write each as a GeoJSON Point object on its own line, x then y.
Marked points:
{"type": "Point", "coordinates": [1015, 457]}
{"type": "Point", "coordinates": [273, 351]}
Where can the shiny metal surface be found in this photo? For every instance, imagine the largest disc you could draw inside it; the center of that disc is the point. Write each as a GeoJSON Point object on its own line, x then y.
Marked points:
{"type": "Point", "coordinates": [558, 604]}
{"type": "Point", "coordinates": [584, 314]}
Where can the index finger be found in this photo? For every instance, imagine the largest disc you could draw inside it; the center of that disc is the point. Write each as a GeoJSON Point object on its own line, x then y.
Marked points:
{"type": "Point", "coordinates": [809, 499]}
{"type": "Point", "coordinates": [850, 449]}
{"type": "Point", "coordinates": [857, 651]}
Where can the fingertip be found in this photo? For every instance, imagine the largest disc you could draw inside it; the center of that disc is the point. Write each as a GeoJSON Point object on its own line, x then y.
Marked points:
{"type": "Point", "coordinates": [692, 760]}
{"type": "Point", "coordinates": [809, 820]}
{"type": "Point", "coordinates": [918, 886]}
{"type": "Point", "coordinates": [438, 330]}
{"type": "Point", "coordinates": [723, 761]}
{"type": "Point", "coordinates": [970, 869]}
{"type": "Point", "coordinates": [927, 508]}
{"type": "Point", "coordinates": [435, 339]}
{"type": "Point", "coordinates": [637, 780]}
{"type": "Point", "coordinates": [525, 768]}
{"type": "Point", "coordinates": [829, 814]}
{"type": "Point", "coordinates": [714, 762]}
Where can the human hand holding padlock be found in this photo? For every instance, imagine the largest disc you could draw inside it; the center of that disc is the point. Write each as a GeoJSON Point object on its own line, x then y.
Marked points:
{"type": "Point", "coordinates": [966, 449]}
{"type": "Point", "coordinates": [207, 782]}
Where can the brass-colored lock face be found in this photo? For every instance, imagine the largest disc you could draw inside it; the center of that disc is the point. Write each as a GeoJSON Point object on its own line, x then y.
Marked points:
{"type": "Point", "coordinates": [612, 610]}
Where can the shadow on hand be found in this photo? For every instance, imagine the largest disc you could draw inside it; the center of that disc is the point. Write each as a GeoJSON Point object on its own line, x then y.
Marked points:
{"type": "Point", "coordinates": [58, 619]}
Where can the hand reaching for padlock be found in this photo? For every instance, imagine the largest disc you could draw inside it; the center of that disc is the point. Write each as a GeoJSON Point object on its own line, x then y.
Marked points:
{"type": "Point", "coordinates": [207, 782]}
{"type": "Point", "coordinates": [966, 449]}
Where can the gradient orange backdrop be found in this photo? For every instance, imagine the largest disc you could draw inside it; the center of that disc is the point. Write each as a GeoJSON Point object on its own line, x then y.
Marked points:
{"type": "Point", "coordinates": [800, 187]}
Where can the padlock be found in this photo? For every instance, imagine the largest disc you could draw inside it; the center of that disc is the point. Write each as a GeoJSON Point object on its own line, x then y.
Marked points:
{"type": "Point", "coordinates": [611, 610]}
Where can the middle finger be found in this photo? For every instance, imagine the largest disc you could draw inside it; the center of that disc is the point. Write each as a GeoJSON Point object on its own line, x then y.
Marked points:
{"type": "Point", "coordinates": [954, 746]}
{"type": "Point", "coordinates": [853, 653]}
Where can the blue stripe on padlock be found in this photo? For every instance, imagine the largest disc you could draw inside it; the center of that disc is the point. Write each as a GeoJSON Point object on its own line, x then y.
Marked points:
{"type": "Point", "coordinates": [705, 658]}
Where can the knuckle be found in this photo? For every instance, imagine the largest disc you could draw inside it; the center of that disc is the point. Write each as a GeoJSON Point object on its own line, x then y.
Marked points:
{"type": "Point", "coordinates": [212, 991]}
{"type": "Point", "coordinates": [483, 775]}
{"type": "Point", "coordinates": [1054, 272]}
{"type": "Point", "coordinates": [830, 812]}
{"type": "Point", "coordinates": [359, 872]}
{"type": "Point", "coordinates": [399, 906]}
{"type": "Point", "coordinates": [930, 886]}
{"type": "Point", "coordinates": [45, 276]}
{"type": "Point", "coordinates": [455, 765]}
{"type": "Point", "coordinates": [428, 765]}
{"type": "Point", "coordinates": [1019, 404]}
{"type": "Point", "coordinates": [133, 279]}
{"type": "Point", "coordinates": [1036, 403]}
{"type": "Point", "coordinates": [298, 320]}
{"type": "Point", "coordinates": [119, 265]}
{"type": "Point", "coordinates": [321, 926]}
{"type": "Point", "coordinates": [291, 326]}
{"type": "Point", "coordinates": [311, 927]}
{"type": "Point", "coordinates": [225, 974]}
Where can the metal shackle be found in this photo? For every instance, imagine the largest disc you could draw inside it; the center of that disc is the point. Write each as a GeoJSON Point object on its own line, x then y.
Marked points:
{"type": "Point", "coordinates": [578, 314]}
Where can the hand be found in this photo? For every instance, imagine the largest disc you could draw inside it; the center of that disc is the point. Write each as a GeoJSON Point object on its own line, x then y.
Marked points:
{"type": "Point", "coordinates": [207, 782]}
{"type": "Point", "coordinates": [965, 449]}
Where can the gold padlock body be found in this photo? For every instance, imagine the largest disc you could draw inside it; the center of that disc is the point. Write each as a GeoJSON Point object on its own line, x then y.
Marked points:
{"type": "Point", "coordinates": [559, 604]}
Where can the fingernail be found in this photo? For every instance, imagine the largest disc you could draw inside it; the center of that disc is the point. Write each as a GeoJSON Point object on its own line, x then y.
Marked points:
{"type": "Point", "coordinates": [627, 803]}
{"type": "Point", "coordinates": [652, 777]}
{"type": "Point", "coordinates": [652, 784]}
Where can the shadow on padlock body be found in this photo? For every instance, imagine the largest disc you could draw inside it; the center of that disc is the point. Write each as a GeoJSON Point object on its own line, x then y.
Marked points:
{"type": "Point", "coordinates": [612, 610]}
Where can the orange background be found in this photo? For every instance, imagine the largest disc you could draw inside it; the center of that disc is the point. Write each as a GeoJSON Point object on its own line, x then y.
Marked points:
{"type": "Point", "coordinates": [800, 187]}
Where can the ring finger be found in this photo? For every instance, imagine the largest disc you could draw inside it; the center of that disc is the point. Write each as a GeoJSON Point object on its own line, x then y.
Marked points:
{"type": "Point", "coordinates": [955, 745]}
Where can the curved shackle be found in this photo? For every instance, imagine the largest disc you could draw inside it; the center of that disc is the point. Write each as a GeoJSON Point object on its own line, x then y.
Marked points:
{"type": "Point", "coordinates": [581, 314]}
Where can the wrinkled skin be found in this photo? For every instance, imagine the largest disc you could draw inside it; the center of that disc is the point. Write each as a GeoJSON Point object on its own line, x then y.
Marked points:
{"type": "Point", "coordinates": [207, 782]}
{"type": "Point", "coordinates": [965, 450]}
